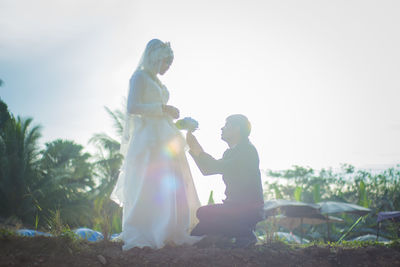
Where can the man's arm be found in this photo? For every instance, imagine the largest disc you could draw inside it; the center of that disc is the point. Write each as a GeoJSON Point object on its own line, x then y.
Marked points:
{"type": "Point", "coordinates": [206, 163]}
{"type": "Point", "coordinates": [245, 161]}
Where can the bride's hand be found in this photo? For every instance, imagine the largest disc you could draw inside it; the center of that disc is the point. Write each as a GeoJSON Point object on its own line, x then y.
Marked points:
{"type": "Point", "coordinates": [171, 111]}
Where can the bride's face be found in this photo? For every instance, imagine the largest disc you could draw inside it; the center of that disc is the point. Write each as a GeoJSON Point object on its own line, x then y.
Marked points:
{"type": "Point", "coordinates": [165, 64]}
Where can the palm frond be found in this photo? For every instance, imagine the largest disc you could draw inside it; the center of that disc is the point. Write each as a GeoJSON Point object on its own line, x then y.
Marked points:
{"type": "Point", "coordinates": [118, 118]}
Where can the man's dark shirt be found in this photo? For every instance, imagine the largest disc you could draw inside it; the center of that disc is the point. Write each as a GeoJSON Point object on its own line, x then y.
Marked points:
{"type": "Point", "coordinates": [240, 171]}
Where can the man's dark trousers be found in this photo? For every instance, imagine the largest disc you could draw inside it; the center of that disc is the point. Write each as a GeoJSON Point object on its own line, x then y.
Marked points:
{"type": "Point", "coordinates": [227, 219]}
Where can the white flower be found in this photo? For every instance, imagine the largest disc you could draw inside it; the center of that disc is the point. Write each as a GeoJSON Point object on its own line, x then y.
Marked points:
{"type": "Point", "coordinates": [187, 123]}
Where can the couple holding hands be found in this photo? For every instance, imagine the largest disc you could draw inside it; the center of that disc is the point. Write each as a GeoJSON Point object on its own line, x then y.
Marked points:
{"type": "Point", "coordinates": [155, 186]}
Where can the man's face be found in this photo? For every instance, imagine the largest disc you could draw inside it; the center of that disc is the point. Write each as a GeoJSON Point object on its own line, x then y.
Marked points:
{"type": "Point", "coordinates": [229, 131]}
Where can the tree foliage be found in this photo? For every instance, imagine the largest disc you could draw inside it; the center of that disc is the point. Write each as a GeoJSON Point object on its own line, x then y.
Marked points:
{"type": "Point", "coordinates": [108, 161]}
{"type": "Point", "coordinates": [377, 190]}
{"type": "Point", "coordinates": [66, 182]}
{"type": "Point", "coordinates": [19, 160]}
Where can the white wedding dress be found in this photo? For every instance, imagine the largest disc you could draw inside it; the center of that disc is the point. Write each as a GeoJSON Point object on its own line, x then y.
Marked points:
{"type": "Point", "coordinates": [155, 185]}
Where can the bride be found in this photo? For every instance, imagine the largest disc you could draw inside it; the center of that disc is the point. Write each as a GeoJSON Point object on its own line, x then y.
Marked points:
{"type": "Point", "coordinates": [155, 185]}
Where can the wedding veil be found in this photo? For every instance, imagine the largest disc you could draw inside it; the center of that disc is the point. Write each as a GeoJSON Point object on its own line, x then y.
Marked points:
{"type": "Point", "coordinates": [151, 61]}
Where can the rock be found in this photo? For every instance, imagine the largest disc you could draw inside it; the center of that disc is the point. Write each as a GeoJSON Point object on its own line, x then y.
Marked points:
{"type": "Point", "coordinates": [102, 259]}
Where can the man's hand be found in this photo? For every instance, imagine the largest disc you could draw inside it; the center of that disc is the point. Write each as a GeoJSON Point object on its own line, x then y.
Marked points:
{"type": "Point", "coordinates": [193, 144]}
{"type": "Point", "coordinates": [171, 111]}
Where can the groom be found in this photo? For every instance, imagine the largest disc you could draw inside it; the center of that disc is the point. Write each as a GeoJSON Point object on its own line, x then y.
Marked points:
{"type": "Point", "coordinates": [239, 166]}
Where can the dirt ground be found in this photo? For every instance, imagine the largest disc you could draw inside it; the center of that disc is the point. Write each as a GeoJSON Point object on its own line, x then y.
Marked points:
{"type": "Point", "coordinates": [51, 251]}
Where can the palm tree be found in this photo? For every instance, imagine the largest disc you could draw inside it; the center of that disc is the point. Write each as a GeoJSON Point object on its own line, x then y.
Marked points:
{"type": "Point", "coordinates": [107, 165]}
{"type": "Point", "coordinates": [4, 115]}
{"type": "Point", "coordinates": [108, 159]}
{"type": "Point", "coordinates": [66, 182]}
{"type": "Point", "coordinates": [19, 165]}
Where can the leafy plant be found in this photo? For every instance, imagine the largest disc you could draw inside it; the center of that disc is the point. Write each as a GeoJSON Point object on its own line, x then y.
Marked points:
{"type": "Point", "coordinates": [211, 198]}
{"type": "Point", "coordinates": [297, 193]}
{"type": "Point", "coordinates": [108, 217]}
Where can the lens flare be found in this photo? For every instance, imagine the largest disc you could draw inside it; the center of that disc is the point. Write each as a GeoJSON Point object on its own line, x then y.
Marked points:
{"type": "Point", "coordinates": [170, 183]}
{"type": "Point", "coordinates": [172, 148]}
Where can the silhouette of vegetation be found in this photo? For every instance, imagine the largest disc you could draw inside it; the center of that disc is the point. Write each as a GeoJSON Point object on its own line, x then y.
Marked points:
{"type": "Point", "coordinates": [377, 190]}
{"type": "Point", "coordinates": [108, 160]}
{"type": "Point", "coordinates": [62, 178]}
{"type": "Point", "coordinates": [19, 166]}
{"type": "Point", "coordinates": [66, 182]}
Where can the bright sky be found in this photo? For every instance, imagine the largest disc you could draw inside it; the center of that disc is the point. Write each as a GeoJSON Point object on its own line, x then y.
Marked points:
{"type": "Point", "coordinates": [319, 80]}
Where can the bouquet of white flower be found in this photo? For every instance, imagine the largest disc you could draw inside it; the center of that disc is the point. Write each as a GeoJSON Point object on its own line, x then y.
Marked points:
{"type": "Point", "coordinates": [187, 123]}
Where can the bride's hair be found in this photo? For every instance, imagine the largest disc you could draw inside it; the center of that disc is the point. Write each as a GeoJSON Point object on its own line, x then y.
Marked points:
{"type": "Point", "coordinates": [155, 52]}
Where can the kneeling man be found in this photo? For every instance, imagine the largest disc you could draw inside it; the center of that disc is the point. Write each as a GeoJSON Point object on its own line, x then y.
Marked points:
{"type": "Point", "coordinates": [239, 166]}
